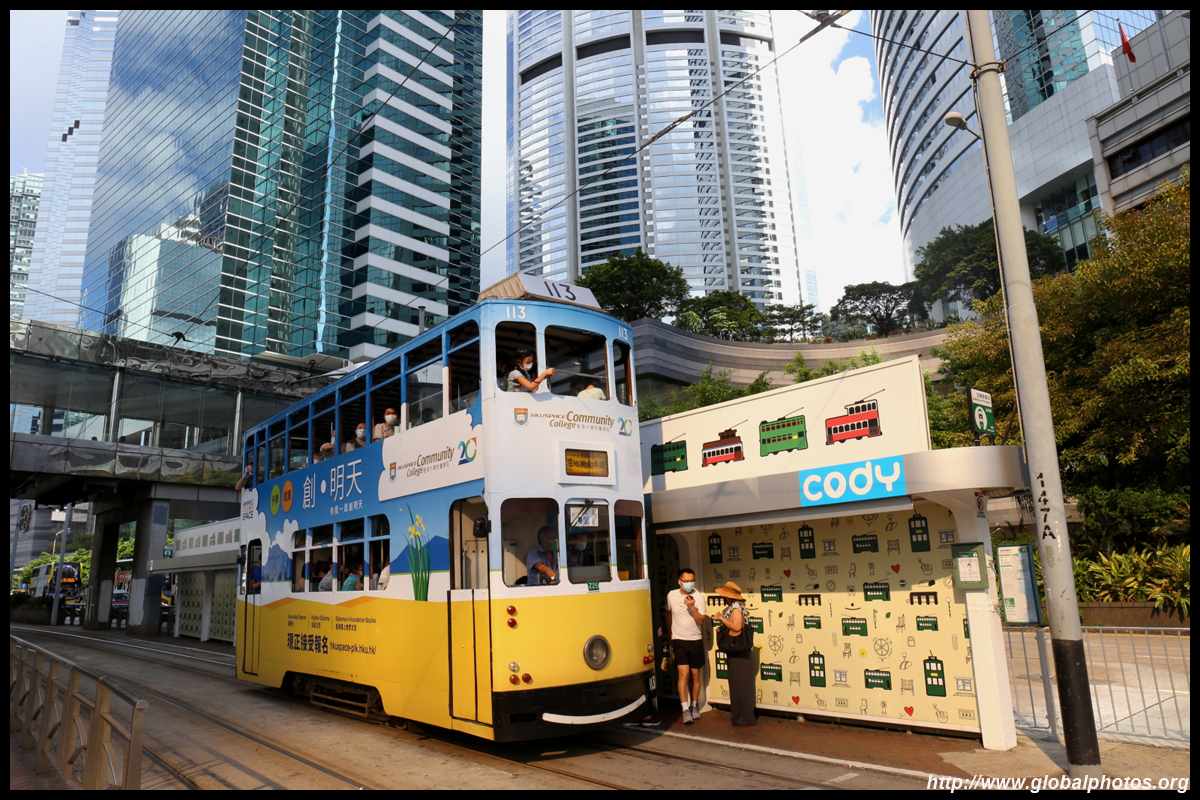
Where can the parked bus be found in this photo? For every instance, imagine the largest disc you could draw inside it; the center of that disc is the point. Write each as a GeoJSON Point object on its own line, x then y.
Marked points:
{"type": "Point", "coordinates": [397, 577]}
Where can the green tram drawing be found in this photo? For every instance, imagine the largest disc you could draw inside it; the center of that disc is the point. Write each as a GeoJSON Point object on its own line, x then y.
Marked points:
{"type": "Point", "coordinates": [669, 457]}
{"type": "Point", "coordinates": [785, 433]}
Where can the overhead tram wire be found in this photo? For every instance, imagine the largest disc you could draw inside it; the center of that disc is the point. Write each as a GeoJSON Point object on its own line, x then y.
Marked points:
{"type": "Point", "coordinates": [824, 23]}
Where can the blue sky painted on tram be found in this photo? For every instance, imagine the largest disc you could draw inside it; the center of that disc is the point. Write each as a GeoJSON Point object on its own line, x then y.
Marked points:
{"type": "Point", "coordinates": [852, 482]}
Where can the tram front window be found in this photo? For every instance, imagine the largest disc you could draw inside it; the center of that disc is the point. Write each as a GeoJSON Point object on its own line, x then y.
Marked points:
{"type": "Point", "coordinates": [580, 363]}
{"type": "Point", "coordinates": [521, 520]}
{"type": "Point", "coordinates": [589, 550]}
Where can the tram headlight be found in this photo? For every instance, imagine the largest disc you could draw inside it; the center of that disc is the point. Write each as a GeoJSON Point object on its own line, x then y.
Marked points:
{"type": "Point", "coordinates": [514, 666]}
{"type": "Point", "coordinates": [597, 653]}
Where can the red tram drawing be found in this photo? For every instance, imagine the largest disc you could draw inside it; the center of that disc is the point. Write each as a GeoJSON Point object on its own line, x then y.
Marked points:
{"type": "Point", "coordinates": [727, 448]}
{"type": "Point", "coordinates": [861, 419]}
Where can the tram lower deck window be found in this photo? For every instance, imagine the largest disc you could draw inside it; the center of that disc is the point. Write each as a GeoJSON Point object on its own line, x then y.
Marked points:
{"type": "Point", "coordinates": [520, 521]}
{"type": "Point", "coordinates": [589, 547]}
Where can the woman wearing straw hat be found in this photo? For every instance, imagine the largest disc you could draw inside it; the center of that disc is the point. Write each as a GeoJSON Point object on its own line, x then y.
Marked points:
{"type": "Point", "coordinates": [741, 666]}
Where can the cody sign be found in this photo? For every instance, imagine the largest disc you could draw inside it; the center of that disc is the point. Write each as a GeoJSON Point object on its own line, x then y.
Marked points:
{"type": "Point", "coordinates": [849, 483]}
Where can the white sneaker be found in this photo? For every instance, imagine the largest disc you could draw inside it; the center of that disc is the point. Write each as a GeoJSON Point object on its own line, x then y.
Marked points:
{"type": "Point", "coordinates": [695, 713]}
{"type": "Point", "coordinates": [687, 717]}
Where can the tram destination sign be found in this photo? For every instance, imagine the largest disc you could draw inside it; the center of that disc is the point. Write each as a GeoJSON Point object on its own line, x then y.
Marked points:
{"type": "Point", "coordinates": [587, 463]}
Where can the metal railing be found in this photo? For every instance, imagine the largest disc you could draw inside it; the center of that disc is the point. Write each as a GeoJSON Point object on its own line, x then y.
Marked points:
{"type": "Point", "coordinates": [48, 708]}
{"type": "Point", "coordinates": [1140, 681]}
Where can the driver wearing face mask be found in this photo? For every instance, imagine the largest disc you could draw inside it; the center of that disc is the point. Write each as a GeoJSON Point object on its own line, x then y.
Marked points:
{"type": "Point", "coordinates": [387, 427]}
{"type": "Point", "coordinates": [577, 545]}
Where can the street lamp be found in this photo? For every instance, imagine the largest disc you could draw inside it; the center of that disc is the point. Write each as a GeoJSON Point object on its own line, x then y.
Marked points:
{"type": "Point", "coordinates": [955, 120]}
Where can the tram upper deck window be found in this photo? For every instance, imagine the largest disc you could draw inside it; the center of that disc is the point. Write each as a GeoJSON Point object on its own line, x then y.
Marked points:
{"type": "Point", "coordinates": [278, 444]}
{"type": "Point", "coordinates": [298, 440]}
{"type": "Point", "coordinates": [353, 400]}
{"type": "Point", "coordinates": [323, 430]}
{"type": "Point", "coordinates": [623, 367]}
{"type": "Point", "coordinates": [464, 366]}
{"type": "Point", "coordinates": [385, 394]}
{"type": "Point", "coordinates": [589, 548]}
{"type": "Point", "coordinates": [580, 363]}
{"type": "Point", "coordinates": [511, 337]}
{"type": "Point", "coordinates": [520, 521]}
{"type": "Point", "coordinates": [425, 383]}
{"type": "Point", "coordinates": [628, 531]}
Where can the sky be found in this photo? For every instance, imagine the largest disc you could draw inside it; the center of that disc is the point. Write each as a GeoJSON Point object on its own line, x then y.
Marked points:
{"type": "Point", "coordinates": [833, 123]}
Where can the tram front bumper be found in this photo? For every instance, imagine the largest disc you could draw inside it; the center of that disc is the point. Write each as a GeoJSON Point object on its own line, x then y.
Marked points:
{"type": "Point", "coordinates": [539, 713]}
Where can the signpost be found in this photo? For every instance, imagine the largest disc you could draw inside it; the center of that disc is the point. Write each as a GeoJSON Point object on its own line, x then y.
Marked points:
{"type": "Point", "coordinates": [1018, 586]}
{"type": "Point", "coordinates": [983, 420]}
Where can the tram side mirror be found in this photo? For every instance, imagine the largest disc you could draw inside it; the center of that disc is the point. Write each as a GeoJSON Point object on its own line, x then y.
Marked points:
{"type": "Point", "coordinates": [482, 527]}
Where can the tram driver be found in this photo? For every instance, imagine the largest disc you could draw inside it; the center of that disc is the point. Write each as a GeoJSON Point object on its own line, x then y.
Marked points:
{"type": "Point", "coordinates": [542, 561]}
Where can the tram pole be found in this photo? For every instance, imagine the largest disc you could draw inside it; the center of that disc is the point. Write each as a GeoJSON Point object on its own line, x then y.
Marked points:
{"type": "Point", "coordinates": [62, 555]}
{"type": "Point", "coordinates": [1033, 398]}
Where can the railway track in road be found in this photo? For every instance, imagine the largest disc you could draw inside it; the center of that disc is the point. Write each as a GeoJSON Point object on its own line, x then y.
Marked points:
{"type": "Point", "coordinates": [599, 759]}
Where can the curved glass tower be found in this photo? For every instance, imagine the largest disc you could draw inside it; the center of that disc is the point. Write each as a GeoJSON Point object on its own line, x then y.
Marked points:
{"type": "Point", "coordinates": [713, 196]}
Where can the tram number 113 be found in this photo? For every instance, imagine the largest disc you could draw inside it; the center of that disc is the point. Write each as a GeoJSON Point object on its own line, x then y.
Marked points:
{"type": "Point", "coordinates": [515, 312]}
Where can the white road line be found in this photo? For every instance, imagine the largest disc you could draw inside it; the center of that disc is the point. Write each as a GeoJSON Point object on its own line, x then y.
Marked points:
{"type": "Point", "coordinates": [841, 778]}
{"type": "Point", "coordinates": [841, 762]}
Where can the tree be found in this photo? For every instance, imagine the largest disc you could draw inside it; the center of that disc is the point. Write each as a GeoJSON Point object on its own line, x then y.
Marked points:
{"type": "Point", "coordinates": [633, 287]}
{"type": "Point", "coordinates": [960, 264]}
{"type": "Point", "coordinates": [727, 315]}
{"type": "Point", "coordinates": [1116, 340]}
{"type": "Point", "coordinates": [711, 388]}
{"type": "Point", "coordinates": [790, 322]}
{"type": "Point", "coordinates": [875, 304]}
{"type": "Point", "coordinates": [802, 373]}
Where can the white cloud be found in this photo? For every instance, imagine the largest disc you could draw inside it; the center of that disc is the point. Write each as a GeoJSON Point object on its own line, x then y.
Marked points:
{"type": "Point", "coordinates": [832, 124]}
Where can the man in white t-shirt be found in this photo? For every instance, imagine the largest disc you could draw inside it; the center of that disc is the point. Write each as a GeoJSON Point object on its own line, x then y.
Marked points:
{"type": "Point", "coordinates": [685, 615]}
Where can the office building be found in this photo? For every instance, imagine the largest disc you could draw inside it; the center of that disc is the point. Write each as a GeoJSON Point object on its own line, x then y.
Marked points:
{"type": "Point", "coordinates": [1146, 137]}
{"type": "Point", "coordinates": [76, 126]}
{"type": "Point", "coordinates": [713, 196]}
{"type": "Point", "coordinates": [1059, 72]}
{"type": "Point", "coordinates": [267, 188]}
{"type": "Point", "coordinates": [24, 197]}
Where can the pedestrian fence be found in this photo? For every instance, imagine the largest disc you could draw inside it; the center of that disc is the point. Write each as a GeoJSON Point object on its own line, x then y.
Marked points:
{"type": "Point", "coordinates": [47, 705]}
{"type": "Point", "coordinates": [1140, 681]}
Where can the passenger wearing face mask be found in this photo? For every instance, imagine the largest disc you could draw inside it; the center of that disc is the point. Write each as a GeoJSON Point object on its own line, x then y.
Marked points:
{"type": "Point", "coordinates": [577, 555]}
{"type": "Point", "coordinates": [684, 618]}
{"type": "Point", "coordinates": [387, 427]}
{"type": "Point", "coordinates": [521, 379]}
{"type": "Point", "coordinates": [359, 440]}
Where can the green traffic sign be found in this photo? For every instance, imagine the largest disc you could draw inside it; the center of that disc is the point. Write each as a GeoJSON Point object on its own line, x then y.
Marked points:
{"type": "Point", "coordinates": [983, 421]}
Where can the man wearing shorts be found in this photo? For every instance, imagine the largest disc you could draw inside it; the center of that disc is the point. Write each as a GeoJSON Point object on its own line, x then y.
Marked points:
{"type": "Point", "coordinates": [685, 615]}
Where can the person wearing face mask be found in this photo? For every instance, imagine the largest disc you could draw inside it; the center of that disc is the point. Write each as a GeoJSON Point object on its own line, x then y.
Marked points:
{"type": "Point", "coordinates": [684, 618]}
{"type": "Point", "coordinates": [387, 427]}
{"type": "Point", "coordinates": [359, 440]}
{"type": "Point", "coordinates": [542, 561]}
{"type": "Point", "coordinates": [521, 379]}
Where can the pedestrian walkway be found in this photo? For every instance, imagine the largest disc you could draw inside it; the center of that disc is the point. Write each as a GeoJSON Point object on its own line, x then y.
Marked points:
{"type": "Point", "coordinates": [21, 774]}
{"type": "Point", "coordinates": [928, 754]}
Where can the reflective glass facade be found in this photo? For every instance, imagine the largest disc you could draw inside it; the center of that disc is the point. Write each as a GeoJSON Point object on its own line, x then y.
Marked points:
{"type": "Point", "coordinates": [267, 188]}
{"type": "Point", "coordinates": [1049, 49]}
{"type": "Point", "coordinates": [712, 197]}
{"type": "Point", "coordinates": [24, 197]}
{"type": "Point", "coordinates": [76, 128]}
{"type": "Point", "coordinates": [1045, 51]}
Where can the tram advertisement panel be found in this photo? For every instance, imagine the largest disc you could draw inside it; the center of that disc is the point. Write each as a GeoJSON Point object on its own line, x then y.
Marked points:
{"type": "Point", "coordinates": [869, 413]}
{"type": "Point", "coordinates": [870, 627]}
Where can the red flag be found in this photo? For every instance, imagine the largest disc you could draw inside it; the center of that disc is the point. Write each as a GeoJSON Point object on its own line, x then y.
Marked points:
{"type": "Point", "coordinates": [1125, 48]}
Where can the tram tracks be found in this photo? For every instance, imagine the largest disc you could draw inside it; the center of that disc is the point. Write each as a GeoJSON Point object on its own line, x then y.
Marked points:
{"type": "Point", "coordinates": [587, 760]}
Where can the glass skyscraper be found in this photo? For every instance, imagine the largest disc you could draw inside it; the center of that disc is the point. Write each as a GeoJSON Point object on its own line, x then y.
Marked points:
{"type": "Point", "coordinates": [938, 170]}
{"type": "Point", "coordinates": [266, 188]}
{"type": "Point", "coordinates": [713, 196]}
{"type": "Point", "coordinates": [24, 197]}
{"type": "Point", "coordinates": [76, 126]}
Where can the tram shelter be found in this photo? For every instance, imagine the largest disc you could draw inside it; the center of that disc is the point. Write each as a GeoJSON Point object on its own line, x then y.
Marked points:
{"type": "Point", "coordinates": [864, 554]}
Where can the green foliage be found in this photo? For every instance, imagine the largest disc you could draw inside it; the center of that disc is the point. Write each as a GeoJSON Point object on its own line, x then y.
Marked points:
{"type": "Point", "coordinates": [727, 315]}
{"type": "Point", "coordinates": [787, 323]}
{"type": "Point", "coordinates": [1116, 337]}
{"type": "Point", "coordinates": [712, 387]}
{"type": "Point", "coordinates": [948, 424]}
{"type": "Point", "coordinates": [633, 287]}
{"type": "Point", "coordinates": [802, 373]}
{"type": "Point", "coordinates": [960, 264]}
{"type": "Point", "coordinates": [879, 304]}
{"type": "Point", "coordinates": [1163, 576]}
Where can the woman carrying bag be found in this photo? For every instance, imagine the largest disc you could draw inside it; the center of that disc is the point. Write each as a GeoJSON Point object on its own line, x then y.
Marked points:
{"type": "Point", "coordinates": [735, 638]}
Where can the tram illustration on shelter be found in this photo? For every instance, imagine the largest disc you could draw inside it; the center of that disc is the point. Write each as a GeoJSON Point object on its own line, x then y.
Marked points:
{"type": "Point", "coordinates": [474, 558]}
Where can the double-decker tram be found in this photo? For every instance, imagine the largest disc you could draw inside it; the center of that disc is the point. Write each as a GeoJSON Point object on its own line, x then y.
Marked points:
{"type": "Point", "coordinates": [861, 419]}
{"type": "Point", "coordinates": [476, 561]}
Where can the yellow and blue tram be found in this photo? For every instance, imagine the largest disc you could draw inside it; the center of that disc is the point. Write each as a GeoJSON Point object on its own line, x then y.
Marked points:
{"type": "Point", "coordinates": [391, 575]}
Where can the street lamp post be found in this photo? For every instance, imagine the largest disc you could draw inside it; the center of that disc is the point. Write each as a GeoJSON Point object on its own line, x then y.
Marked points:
{"type": "Point", "coordinates": [62, 554]}
{"type": "Point", "coordinates": [1033, 398]}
